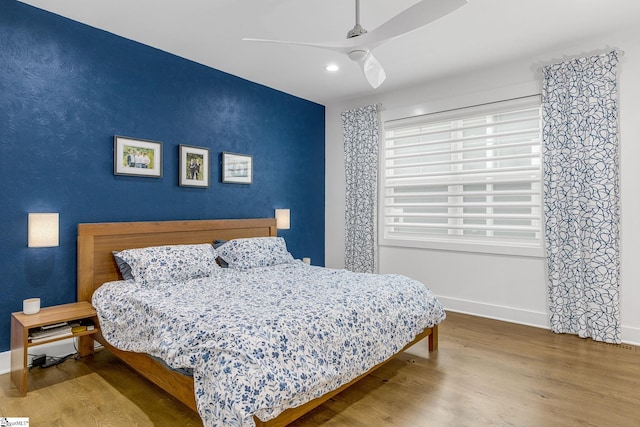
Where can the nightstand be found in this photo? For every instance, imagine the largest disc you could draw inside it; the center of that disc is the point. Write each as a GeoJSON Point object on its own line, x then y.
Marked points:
{"type": "Point", "coordinates": [21, 324]}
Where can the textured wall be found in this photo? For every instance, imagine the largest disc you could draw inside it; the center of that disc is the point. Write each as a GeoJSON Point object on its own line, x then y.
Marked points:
{"type": "Point", "coordinates": [66, 89]}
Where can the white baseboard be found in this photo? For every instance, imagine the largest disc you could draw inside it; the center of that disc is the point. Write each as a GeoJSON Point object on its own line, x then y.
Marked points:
{"type": "Point", "coordinates": [5, 362]}
{"type": "Point", "coordinates": [56, 349]}
{"type": "Point", "coordinates": [497, 312]}
{"type": "Point", "coordinates": [629, 335]}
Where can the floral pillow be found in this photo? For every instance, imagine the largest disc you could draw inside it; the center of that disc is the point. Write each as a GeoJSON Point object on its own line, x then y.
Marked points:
{"type": "Point", "coordinates": [170, 263]}
{"type": "Point", "coordinates": [254, 252]}
{"type": "Point", "coordinates": [125, 269]}
{"type": "Point", "coordinates": [216, 244]}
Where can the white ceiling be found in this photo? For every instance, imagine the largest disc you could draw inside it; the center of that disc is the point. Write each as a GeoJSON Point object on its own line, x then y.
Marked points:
{"type": "Point", "coordinates": [482, 33]}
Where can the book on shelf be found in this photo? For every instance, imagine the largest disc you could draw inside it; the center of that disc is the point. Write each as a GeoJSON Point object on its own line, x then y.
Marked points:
{"type": "Point", "coordinates": [48, 332]}
{"type": "Point", "coordinates": [77, 326]}
{"type": "Point", "coordinates": [88, 323]}
{"type": "Point", "coordinates": [53, 326]}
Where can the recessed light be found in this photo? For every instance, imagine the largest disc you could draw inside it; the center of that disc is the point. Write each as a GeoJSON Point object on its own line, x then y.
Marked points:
{"type": "Point", "coordinates": [332, 68]}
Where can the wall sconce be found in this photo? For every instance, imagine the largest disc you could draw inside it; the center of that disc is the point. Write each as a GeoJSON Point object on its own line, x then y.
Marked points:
{"type": "Point", "coordinates": [283, 219]}
{"type": "Point", "coordinates": [43, 230]}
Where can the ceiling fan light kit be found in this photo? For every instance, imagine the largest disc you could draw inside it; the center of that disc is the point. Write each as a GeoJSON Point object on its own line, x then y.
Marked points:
{"type": "Point", "coordinates": [359, 44]}
{"type": "Point", "coordinates": [358, 55]}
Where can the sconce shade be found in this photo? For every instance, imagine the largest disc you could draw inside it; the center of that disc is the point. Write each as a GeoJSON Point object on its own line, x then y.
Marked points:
{"type": "Point", "coordinates": [43, 230]}
{"type": "Point", "coordinates": [283, 219]}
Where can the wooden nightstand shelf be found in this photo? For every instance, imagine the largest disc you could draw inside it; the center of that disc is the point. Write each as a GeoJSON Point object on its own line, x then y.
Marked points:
{"type": "Point", "coordinates": [21, 323]}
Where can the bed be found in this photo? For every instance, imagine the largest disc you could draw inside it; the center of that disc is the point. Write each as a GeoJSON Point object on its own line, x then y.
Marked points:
{"type": "Point", "coordinates": [96, 266]}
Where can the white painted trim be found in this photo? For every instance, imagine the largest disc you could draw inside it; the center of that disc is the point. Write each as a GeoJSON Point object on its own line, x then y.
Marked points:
{"type": "Point", "coordinates": [497, 312]}
{"type": "Point", "coordinates": [524, 89]}
{"type": "Point", "coordinates": [56, 349]}
{"type": "Point", "coordinates": [630, 335]}
{"type": "Point", "coordinates": [5, 362]}
{"type": "Point", "coordinates": [523, 317]}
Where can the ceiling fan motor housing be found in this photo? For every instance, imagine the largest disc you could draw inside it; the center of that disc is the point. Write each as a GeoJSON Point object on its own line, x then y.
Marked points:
{"type": "Point", "coordinates": [356, 31]}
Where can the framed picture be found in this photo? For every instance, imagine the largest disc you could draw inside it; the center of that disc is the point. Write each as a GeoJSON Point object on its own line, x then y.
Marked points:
{"type": "Point", "coordinates": [237, 168]}
{"type": "Point", "coordinates": [194, 166]}
{"type": "Point", "coordinates": [137, 157]}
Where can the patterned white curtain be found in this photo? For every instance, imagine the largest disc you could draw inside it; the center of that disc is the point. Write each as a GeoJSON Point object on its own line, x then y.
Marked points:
{"type": "Point", "coordinates": [360, 129]}
{"type": "Point", "coordinates": [581, 196]}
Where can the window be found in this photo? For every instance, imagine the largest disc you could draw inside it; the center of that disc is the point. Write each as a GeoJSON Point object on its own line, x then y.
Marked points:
{"type": "Point", "coordinates": [467, 179]}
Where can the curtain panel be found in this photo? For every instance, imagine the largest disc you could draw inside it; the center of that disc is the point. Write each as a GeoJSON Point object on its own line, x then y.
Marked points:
{"type": "Point", "coordinates": [581, 196]}
{"type": "Point", "coordinates": [361, 139]}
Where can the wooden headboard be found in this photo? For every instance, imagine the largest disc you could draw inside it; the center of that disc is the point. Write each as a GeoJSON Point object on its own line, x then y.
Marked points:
{"type": "Point", "coordinates": [96, 242]}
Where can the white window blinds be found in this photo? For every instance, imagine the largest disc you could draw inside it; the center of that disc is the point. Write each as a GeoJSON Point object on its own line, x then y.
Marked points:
{"type": "Point", "coordinates": [468, 179]}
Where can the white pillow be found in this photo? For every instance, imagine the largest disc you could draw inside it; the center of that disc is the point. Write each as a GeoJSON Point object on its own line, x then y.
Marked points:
{"type": "Point", "coordinates": [254, 252]}
{"type": "Point", "coordinates": [170, 263]}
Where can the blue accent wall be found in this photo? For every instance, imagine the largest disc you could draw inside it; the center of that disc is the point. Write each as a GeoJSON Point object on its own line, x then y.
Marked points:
{"type": "Point", "coordinates": [66, 89]}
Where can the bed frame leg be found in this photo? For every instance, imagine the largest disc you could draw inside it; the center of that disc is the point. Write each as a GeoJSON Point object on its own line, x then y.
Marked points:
{"type": "Point", "coordinates": [85, 345]}
{"type": "Point", "coordinates": [433, 338]}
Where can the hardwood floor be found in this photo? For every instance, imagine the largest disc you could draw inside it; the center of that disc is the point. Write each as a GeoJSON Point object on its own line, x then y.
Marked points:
{"type": "Point", "coordinates": [485, 373]}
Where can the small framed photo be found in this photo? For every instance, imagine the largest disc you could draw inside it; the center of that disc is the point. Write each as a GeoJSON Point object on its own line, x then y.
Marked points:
{"type": "Point", "coordinates": [194, 166]}
{"type": "Point", "coordinates": [237, 168]}
{"type": "Point", "coordinates": [137, 157]}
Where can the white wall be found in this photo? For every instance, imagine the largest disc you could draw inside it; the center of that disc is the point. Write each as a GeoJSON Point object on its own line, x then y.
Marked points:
{"type": "Point", "coordinates": [505, 287]}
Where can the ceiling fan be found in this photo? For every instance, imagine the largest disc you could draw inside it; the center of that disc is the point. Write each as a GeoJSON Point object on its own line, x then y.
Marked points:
{"type": "Point", "coordinates": [359, 43]}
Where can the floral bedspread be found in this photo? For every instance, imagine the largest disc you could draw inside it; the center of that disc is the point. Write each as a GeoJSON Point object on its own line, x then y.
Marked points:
{"type": "Point", "coordinates": [263, 340]}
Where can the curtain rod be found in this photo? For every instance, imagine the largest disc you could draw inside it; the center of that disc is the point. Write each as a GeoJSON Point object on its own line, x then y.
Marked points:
{"type": "Point", "coordinates": [620, 53]}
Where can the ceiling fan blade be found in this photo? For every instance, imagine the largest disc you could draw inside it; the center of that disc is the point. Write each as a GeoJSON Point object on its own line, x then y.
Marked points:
{"type": "Point", "coordinates": [343, 46]}
{"type": "Point", "coordinates": [373, 71]}
{"type": "Point", "coordinates": [359, 44]}
{"type": "Point", "coordinates": [418, 15]}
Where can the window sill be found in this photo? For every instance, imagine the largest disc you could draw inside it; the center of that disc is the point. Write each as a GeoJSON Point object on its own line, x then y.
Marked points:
{"type": "Point", "coordinates": [504, 248]}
